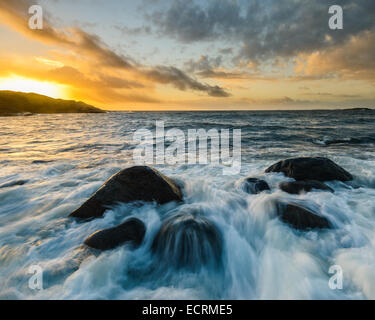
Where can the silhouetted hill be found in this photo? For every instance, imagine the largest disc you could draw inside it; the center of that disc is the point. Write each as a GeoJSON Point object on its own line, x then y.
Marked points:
{"type": "Point", "coordinates": [358, 109]}
{"type": "Point", "coordinates": [18, 102]}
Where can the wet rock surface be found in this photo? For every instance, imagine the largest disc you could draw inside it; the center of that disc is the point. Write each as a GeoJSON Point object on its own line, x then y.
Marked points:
{"type": "Point", "coordinates": [320, 169]}
{"type": "Point", "coordinates": [297, 187]}
{"type": "Point", "coordinates": [13, 184]}
{"type": "Point", "coordinates": [139, 183]}
{"type": "Point", "coordinates": [255, 185]}
{"type": "Point", "coordinates": [301, 218]}
{"type": "Point", "coordinates": [131, 231]}
{"type": "Point", "coordinates": [188, 241]}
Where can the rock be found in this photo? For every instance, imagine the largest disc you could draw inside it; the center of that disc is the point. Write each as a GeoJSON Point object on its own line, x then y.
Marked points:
{"type": "Point", "coordinates": [14, 183]}
{"type": "Point", "coordinates": [296, 187]}
{"type": "Point", "coordinates": [132, 184]}
{"type": "Point", "coordinates": [188, 241]}
{"type": "Point", "coordinates": [132, 230]}
{"type": "Point", "coordinates": [321, 169]}
{"type": "Point", "coordinates": [301, 218]}
{"type": "Point", "coordinates": [255, 186]}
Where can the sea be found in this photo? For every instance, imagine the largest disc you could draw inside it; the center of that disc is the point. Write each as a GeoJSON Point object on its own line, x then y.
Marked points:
{"type": "Point", "coordinates": [51, 164]}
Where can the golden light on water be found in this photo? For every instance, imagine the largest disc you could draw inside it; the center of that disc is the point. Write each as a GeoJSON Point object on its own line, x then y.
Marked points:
{"type": "Point", "coordinates": [16, 83]}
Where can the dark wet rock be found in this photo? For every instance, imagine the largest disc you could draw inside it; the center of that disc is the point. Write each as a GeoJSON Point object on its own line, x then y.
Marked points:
{"type": "Point", "coordinates": [14, 183]}
{"type": "Point", "coordinates": [133, 184]}
{"type": "Point", "coordinates": [188, 241]}
{"type": "Point", "coordinates": [131, 231]}
{"type": "Point", "coordinates": [255, 186]}
{"type": "Point", "coordinates": [321, 169]}
{"type": "Point", "coordinates": [41, 161]}
{"type": "Point", "coordinates": [296, 187]}
{"type": "Point", "coordinates": [302, 218]}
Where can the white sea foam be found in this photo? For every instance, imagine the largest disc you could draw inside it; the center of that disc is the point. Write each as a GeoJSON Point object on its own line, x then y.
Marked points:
{"type": "Point", "coordinates": [263, 258]}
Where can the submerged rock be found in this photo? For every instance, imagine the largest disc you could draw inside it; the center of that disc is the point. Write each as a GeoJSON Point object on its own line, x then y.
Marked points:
{"type": "Point", "coordinates": [13, 184]}
{"type": "Point", "coordinates": [132, 230]}
{"type": "Point", "coordinates": [321, 169]}
{"type": "Point", "coordinates": [188, 241]}
{"type": "Point", "coordinates": [301, 218]}
{"type": "Point", "coordinates": [296, 187]}
{"type": "Point", "coordinates": [255, 186]}
{"type": "Point", "coordinates": [139, 183]}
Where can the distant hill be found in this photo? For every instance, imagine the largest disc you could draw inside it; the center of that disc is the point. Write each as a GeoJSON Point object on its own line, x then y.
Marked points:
{"type": "Point", "coordinates": [358, 109]}
{"type": "Point", "coordinates": [19, 102]}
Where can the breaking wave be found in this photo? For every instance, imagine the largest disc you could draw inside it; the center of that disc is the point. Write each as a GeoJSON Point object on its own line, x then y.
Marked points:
{"type": "Point", "coordinates": [55, 162]}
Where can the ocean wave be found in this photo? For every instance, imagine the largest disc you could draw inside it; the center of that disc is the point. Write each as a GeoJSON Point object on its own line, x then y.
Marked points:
{"type": "Point", "coordinates": [327, 141]}
{"type": "Point", "coordinates": [262, 257]}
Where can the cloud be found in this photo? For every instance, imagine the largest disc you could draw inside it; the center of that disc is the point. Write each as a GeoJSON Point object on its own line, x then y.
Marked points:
{"type": "Point", "coordinates": [98, 88]}
{"type": "Point", "coordinates": [91, 46]}
{"type": "Point", "coordinates": [15, 13]}
{"type": "Point", "coordinates": [182, 81]}
{"type": "Point", "coordinates": [333, 95]}
{"type": "Point", "coordinates": [215, 74]}
{"type": "Point", "coordinates": [190, 22]}
{"type": "Point", "coordinates": [283, 101]}
{"type": "Point", "coordinates": [73, 77]}
{"type": "Point", "coordinates": [354, 59]}
{"type": "Point", "coordinates": [207, 67]}
{"type": "Point", "coordinates": [226, 50]}
{"type": "Point", "coordinates": [204, 63]}
{"type": "Point", "coordinates": [235, 75]}
{"type": "Point", "coordinates": [270, 31]}
{"type": "Point", "coordinates": [211, 68]}
{"type": "Point", "coordinates": [260, 40]}
{"type": "Point", "coordinates": [265, 28]}
{"type": "Point", "coordinates": [126, 31]}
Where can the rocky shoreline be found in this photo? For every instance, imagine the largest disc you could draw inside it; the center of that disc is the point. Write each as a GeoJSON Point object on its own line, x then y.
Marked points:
{"type": "Point", "coordinates": [187, 239]}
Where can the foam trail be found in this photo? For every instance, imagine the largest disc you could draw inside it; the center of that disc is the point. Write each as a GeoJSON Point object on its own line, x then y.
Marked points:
{"type": "Point", "coordinates": [262, 258]}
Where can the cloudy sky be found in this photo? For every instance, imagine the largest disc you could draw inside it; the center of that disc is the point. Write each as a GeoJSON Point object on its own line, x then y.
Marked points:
{"type": "Point", "coordinates": [192, 55]}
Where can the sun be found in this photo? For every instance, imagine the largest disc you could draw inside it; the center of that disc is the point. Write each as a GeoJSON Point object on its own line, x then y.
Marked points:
{"type": "Point", "coordinates": [16, 83]}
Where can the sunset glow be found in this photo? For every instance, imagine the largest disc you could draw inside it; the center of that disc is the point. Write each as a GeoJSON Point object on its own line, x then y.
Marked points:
{"type": "Point", "coordinates": [157, 152]}
{"type": "Point", "coordinates": [29, 85]}
{"type": "Point", "coordinates": [192, 55]}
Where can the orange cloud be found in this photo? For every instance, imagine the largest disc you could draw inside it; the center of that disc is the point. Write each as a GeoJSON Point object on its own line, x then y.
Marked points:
{"type": "Point", "coordinates": [93, 72]}
{"type": "Point", "coordinates": [353, 60]}
{"type": "Point", "coordinates": [91, 47]}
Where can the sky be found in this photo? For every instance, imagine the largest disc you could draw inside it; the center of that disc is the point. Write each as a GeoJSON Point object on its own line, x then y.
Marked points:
{"type": "Point", "coordinates": [192, 55]}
